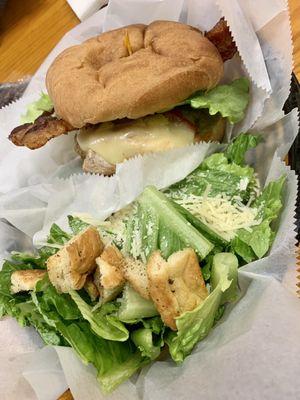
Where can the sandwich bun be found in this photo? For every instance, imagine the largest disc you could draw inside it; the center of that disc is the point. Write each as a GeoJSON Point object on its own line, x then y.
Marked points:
{"type": "Point", "coordinates": [132, 72]}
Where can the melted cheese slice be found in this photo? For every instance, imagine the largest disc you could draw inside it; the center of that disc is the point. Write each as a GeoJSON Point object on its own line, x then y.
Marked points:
{"type": "Point", "coordinates": [115, 142]}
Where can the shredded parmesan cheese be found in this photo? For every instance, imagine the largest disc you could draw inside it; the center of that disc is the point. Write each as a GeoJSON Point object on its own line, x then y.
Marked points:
{"type": "Point", "coordinates": [224, 216]}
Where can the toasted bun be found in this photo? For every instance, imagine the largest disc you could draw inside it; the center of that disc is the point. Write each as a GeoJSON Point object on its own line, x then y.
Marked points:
{"type": "Point", "coordinates": [132, 72]}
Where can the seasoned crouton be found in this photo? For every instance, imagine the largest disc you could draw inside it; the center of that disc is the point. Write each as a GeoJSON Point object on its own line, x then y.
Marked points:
{"type": "Point", "coordinates": [175, 285]}
{"type": "Point", "coordinates": [108, 277]}
{"type": "Point", "coordinates": [135, 273]}
{"type": "Point", "coordinates": [25, 279]}
{"type": "Point", "coordinates": [91, 288]}
{"type": "Point", "coordinates": [69, 267]}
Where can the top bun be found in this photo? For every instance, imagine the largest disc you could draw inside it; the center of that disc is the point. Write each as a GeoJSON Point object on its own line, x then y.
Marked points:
{"type": "Point", "coordinates": [132, 72]}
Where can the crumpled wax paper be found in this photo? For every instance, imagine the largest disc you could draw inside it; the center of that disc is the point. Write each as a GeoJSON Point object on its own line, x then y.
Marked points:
{"type": "Point", "coordinates": [254, 351]}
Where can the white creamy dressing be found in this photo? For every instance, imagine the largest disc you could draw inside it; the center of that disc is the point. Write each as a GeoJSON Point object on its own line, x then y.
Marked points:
{"type": "Point", "coordinates": [115, 142]}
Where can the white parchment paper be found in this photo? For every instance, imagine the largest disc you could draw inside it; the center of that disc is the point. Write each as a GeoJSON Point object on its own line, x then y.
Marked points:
{"type": "Point", "coordinates": [254, 352]}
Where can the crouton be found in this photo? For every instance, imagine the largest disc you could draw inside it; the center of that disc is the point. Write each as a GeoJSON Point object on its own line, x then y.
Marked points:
{"type": "Point", "coordinates": [108, 276]}
{"type": "Point", "coordinates": [91, 288]}
{"type": "Point", "coordinates": [69, 267]}
{"type": "Point", "coordinates": [25, 279]}
{"type": "Point", "coordinates": [175, 285]}
{"type": "Point", "coordinates": [135, 273]}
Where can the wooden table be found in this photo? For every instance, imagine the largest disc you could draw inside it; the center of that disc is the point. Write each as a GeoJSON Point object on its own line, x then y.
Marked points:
{"type": "Point", "coordinates": [31, 28]}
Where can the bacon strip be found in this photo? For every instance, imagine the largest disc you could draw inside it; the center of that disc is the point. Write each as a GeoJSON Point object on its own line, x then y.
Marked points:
{"type": "Point", "coordinates": [37, 134]}
{"type": "Point", "coordinates": [221, 37]}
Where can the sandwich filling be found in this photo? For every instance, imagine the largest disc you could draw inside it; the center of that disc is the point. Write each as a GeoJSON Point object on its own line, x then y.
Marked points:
{"type": "Point", "coordinates": [115, 142]}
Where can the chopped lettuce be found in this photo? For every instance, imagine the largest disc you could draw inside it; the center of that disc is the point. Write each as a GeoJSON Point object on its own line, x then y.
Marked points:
{"type": "Point", "coordinates": [149, 338]}
{"type": "Point", "coordinates": [76, 224]}
{"type": "Point", "coordinates": [20, 306]}
{"type": "Point", "coordinates": [193, 326]}
{"type": "Point", "coordinates": [255, 243]}
{"type": "Point", "coordinates": [213, 182]}
{"type": "Point", "coordinates": [114, 361]}
{"type": "Point", "coordinates": [219, 162]}
{"type": "Point", "coordinates": [236, 150]}
{"type": "Point", "coordinates": [29, 315]}
{"type": "Point", "coordinates": [35, 109]}
{"type": "Point", "coordinates": [57, 235]}
{"type": "Point", "coordinates": [134, 307]}
{"type": "Point", "coordinates": [102, 322]}
{"type": "Point", "coordinates": [207, 231]}
{"type": "Point", "coordinates": [159, 225]}
{"type": "Point", "coordinates": [220, 173]}
{"type": "Point", "coordinates": [143, 339]}
{"type": "Point", "coordinates": [31, 260]}
{"type": "Point", "coordinates": [229, 100]}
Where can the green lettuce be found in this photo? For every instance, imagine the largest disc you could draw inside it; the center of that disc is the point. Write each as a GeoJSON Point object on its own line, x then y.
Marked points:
{"type": "Point", "coordinates": [31, 260]}
{"type": "Point", "coordinates": [159, 225]}
{"type": "Point", "coordinates": [28, 315]}
{"type": "Point", "coordinates": [102, 322]}
{"type": "Point", "coordinates": [229, 100]}
{"type": "Point", "coordinates": [237, 149]}
{"type": "Point", "coordinates": [134, 307]}
{"type": "Point", "coordinates": [218, 181]}
{"type": "Point", "coordinates": [219, 162]}
{"type": "Point", "coordinates": [76, 224]}
{"type": "Point", "coordinates": [20, 306]}
{"type": "Point", "coordinates": [223, 173]}
{"type": "Point", "coordinates": [193, 326]}
{"type": "Point", "coordinates": [143, 339]}
{"type": "Point", "coordinates": [57, 235]}
{"type": "Point", "coordinates": [114, 361]}
{"type": "Point", "coordinates": [255, 243]}
{"type": "Point", "coordinates": [35, 109]}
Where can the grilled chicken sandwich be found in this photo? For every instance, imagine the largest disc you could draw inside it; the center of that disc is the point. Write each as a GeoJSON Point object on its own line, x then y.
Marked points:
{"type": "Point", "coordinates": [138, 89]}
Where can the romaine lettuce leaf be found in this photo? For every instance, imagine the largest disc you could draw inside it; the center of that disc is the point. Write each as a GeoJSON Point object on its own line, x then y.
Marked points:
{"type": "Point", "coordinates": [62, 302]}
{"type": "Point", "coordinates": [256, 243]}
{"type": "Point", "coordinates": [269, 202]}
{"type": "Point", "coordinates": [102, 323]}
{"type": "Point", "coordinates": [31, 260]}
{"type": "Point", "coordinates": [219, 162]}
{"type": "Point", "coordinates": [57, 235]}
{"type": "Point", "coordinates": [221, 173]}
{"type": "Point", "coordinates": [193, 326]}
{"type": "Point", "coordinates": [27, 314]}
{"type": "Point", "coordinates": [218, 182]}
{"type": "Point", "coordinates": [35, 109]}
{"type": "Point", "coordinates": [114, 361]}
{"type": "Point", "coordinates": [229, 100]}
{"type": "Point", "coordinates": [143, 339]}
{"type": "Point", "coordinates": [134, 307]}
{"type": "Point", "coordinates": [20, 306]}
{"type": "Point", "coordinates": [149, 338]}
{"type": "Point", "coordinates": [236, 150]}
{"type": "Point", "coordinates": [159, 225]}
{"type": "Point", "coordinates": [76, 224]}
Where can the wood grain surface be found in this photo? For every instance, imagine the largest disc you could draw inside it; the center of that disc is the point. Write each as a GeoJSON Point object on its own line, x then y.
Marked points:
{"type": "Point", "coordinates": [31, 28]}
{"type": "Point", "coordinates": [29, 31]}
